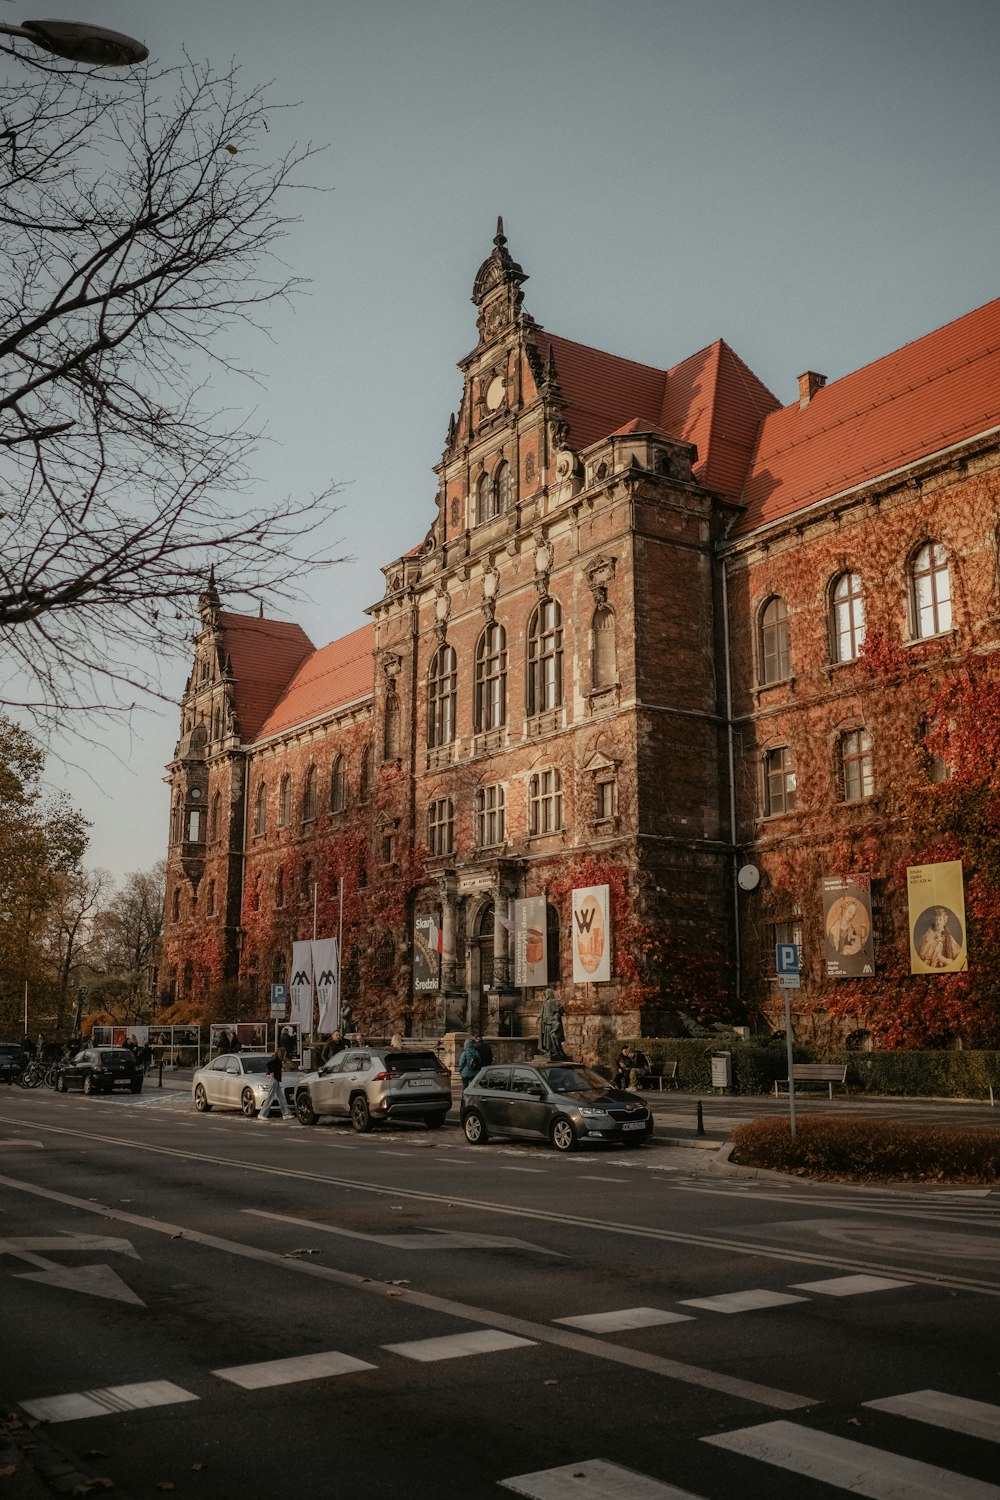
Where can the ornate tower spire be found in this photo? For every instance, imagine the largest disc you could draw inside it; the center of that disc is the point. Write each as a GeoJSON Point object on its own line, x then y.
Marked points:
{"type": "Point", "coordinates": [496, 290]}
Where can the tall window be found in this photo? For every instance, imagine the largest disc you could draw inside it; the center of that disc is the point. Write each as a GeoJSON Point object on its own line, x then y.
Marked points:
{"type": "Point", "coordinates": [484, 493]}
{"type": "Point", "coordinates": [194, 829]}
{"type": "Point", "coordinates": [545, 657]}
{"type": "Point", "coordinates": [365, 781]}
{"type": "Point", "coordinates": [848, 617]}
{"type": "Point", "coordinates": [501, 488]}
{"type": "Point", "coordinates": [441, 690]}
{"type": "Point", "coordinates": [490, 816]}
{"type": "Point", "coordinates": [930, 582]}
{"type": "Point", "coordinates": [545, 803]}
{"type": "Point", "coordinates": [856, 776]}
{"type": "Point", "coordinates": [285, 801]}
{"type": "Point", "coordinates": [176, 821]}
{"type": "Point", "coordinates": [391, 728]}
{"type": "Point", "coordinates": [260, 809]}
{"type": "Point", "coordinates": [309, 796]}
{"type": "Point", "coordinates": [491, 679]}
{"type": "Point", "coordinates": [775, 654]}
{"type": "Point", "coordinates": [493, 495]}
{"type": "Point", "coordinates": [338, 785]}
{"type": "Point", "coordinates": [441, 827]}
{"type": "Point", "coordinates": [779, 782]}
{"type": "Point", "coordinates": [604, 665]}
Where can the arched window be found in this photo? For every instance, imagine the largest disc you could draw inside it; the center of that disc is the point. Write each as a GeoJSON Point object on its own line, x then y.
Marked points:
{"type": "Point", "coordinates": [930, 591]}
{"type": "Point", "coordinates": [544, 657]}
{"type": "Point", "coordinates": [491, 679]}
{"type": "Point", "coordinates": [775, 652]}
{"type": "Point", "coordinates": [365, 783]}
{"type": "Point", "coordinates": [484, 499]}
{"type": "Point", "coordinates": [309, 796]}
{"type": "Point", "coordinates": [779, 782]}
{"type": "Point", "coordinates": [188, 981]}
{"type": "Point", "coordinates": [544, 803]}
{"type": "Point", "coordinates": [441, 693]}
{"type": "Point", "coordinates": [213, 817]}
{"type": "Point", "coordinates": [857, 779]}
{"type": "Point", "coordinates": [391, 727]}
{"type": "Point", "coordinates": [501, 488]}
{"type": "Point", "coordinates": [284, 801]}
{"type": "Point", "coordinates": [260, 809]}
{"type": "Point", "coordinates": [338, 785]}
{"type": "Point", "coordinates": [604, 659]}
{"type": "Point", "coordinates": [848, 622]}
{"type": "Point", "coordinates": [194, 828]}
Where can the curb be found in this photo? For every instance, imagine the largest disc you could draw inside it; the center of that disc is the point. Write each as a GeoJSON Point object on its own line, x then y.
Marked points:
{"type": "Point", "coordinates": [42, 1467]}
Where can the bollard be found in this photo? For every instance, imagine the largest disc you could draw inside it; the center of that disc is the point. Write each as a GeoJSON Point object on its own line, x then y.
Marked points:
{"type": "Point", "coordinates": [160, 1084]}
{"type": "Point", "coordinates": [701, 1120]}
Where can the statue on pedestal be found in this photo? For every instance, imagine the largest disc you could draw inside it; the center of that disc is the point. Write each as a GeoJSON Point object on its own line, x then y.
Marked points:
{"type": "Point", "coordinates": [550, 1028]}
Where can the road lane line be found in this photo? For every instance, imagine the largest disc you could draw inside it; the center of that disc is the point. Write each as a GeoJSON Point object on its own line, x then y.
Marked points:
{"type": "Point", "coordinates": [938, 1409]}
{"type": "Point", "coordinates": [458, 1345]}
{"type": "Point", "coordinates": [838, 1461]}
{"type": "Point", "coordinates": [848, 1286]}
{"type": "Point", "coordinates": [671, 1369]}
{"type": "Point", "coordinates": [627, 1317]}
{"type": "Point", "coordinates": [737, 1302]}
{"type": "Point", "coordinates": [300, 1367]}
{"type": "Point", "coordinates": [106, 1401]}
{"type": "Point", "coordinates": [731, 1246]}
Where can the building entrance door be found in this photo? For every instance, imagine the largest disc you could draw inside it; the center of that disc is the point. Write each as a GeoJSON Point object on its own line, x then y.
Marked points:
{"type": "Point", "coordinates": [482, 967]}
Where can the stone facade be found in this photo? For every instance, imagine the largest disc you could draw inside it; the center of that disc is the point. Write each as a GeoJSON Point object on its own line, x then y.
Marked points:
{"type": "Point", "coordinates": [573, 681]}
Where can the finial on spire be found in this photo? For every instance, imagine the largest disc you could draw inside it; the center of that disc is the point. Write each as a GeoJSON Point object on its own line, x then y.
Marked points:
{"type": "Point", "coordinates": [260, 610]}
{"type": "Point", "coordinates": [500, 238]}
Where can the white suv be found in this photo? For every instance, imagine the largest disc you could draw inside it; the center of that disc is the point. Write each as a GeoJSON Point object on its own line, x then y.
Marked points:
{"type": "Point", "coordinates": [370, 1084]}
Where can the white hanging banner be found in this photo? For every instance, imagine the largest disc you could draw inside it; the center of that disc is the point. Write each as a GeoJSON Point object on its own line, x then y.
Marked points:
{"type": "Point", "coordinates": [301, 988]}
{"type": "Point", "coordinates": [326, 967]}
{"type": "Point", "coordinates": [591, 935]}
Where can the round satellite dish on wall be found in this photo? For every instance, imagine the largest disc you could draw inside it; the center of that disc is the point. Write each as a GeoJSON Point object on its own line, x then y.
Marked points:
{"type": "Point", "coordinates": [748, 878]}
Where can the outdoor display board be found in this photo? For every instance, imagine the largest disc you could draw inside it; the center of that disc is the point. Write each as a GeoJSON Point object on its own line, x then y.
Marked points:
{"type": "Point", "coordinates": [426, 954]}
{"type": "Point", "coordinates": [849, 937]}
{"type": "Point", "coordinates": [936, 900]}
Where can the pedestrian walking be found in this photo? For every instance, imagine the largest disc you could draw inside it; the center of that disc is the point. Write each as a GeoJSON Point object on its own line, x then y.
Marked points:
{"type": "Point", "coordinates": [469, 1063]}
{"type": "Point", "coordinates": [275, 1093]}
{"type": "Point", "coordinates": [485, 1051]}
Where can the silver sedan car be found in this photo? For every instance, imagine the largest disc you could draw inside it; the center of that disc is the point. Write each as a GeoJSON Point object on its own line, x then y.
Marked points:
{"type": "Point", "coordinates": [235, 1081]}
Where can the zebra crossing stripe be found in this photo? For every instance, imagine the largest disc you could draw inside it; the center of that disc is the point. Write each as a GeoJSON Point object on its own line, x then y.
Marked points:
{"type": "Point", "coordinates": [851, 1466]}
{"type": "Point", "coordinates": [594, 1479]}
{"type": "Point", "coordinates": [628, 1317]}
{"type": "Point", "coordinates": [938, 1409]}
{"type": "Point", "coordinates": [104, 1402]}
{"type": "Point", "coordinates": [289, 1371]}
{"type": "Point", "coordinates": [849, 1286]}
{"type": "Point", "coordinates": [455, 1345]}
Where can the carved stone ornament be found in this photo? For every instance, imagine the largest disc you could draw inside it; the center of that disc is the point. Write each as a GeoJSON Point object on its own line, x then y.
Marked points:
{"type": "Point", "coordinates": [442, 611]}
{"type": "Point", "coordinates": [599, 575]}
{"type": "Point", "coordinates": [392, 665]}
{"type": "Point", "coordinates": [543, 567]}
{"type": "Point", "coordinates": [566, 462]}
{"type": "Point", "coordinates": [491, 588]}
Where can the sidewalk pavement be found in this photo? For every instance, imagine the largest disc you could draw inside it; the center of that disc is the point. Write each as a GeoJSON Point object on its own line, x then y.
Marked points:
{"type": "Point", "coordinates": [34, 1465]}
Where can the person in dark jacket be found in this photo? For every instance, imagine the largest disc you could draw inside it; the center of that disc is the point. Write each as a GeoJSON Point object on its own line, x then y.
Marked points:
{"type": "Point", "coordinates": [275, 1093]}
{"type": "Point", "coordinates": [332, 1046]}
{"type": "Point", "coordinates": [469, 1062]}
{"type": "Point", "coordinates": [485, 1051]}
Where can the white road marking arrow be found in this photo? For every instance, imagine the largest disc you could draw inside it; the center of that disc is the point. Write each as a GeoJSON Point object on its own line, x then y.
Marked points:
{"type": "Point", "coordinates": [96, 1280]}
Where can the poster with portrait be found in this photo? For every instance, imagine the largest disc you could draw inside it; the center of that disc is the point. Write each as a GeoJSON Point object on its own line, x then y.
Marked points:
{"type": "Point", "coordinates": [288, 1035]}
{"type": "Point", "coordinates": [160, 1036]}
{"type": "Point", "coordinates": [848, 931]}
{"type": "Point", "coordinates": [936, 899]}
{"type": "Point", "coordinates": [591, 935]}
{"type": "Point", "coordinates": [426, 953]}
{"type": "Point", "coordinates": [186, 1036]}
{"type": "Point", "coordinates": [531, 961]}
{"type": "Point", "coordinates": [252, 1036]}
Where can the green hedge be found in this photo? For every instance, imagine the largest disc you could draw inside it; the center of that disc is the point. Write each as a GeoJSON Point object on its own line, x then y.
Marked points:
{"type": "Point", "coordinates": [870, 1150]}
{"type": "Point", "coordinates": [757, 1064]}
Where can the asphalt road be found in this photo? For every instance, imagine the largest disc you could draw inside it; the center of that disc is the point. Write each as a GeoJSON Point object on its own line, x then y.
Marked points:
{"type": "Point", "coordinates": [234, 1309]}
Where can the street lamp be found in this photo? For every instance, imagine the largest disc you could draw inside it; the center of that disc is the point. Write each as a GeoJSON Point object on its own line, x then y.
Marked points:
{"type": "Point", "coordinates": [80, 42]}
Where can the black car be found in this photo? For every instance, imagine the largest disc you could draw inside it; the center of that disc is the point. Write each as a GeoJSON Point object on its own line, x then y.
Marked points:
{"type": "Point", "coordinates": [12, 1060]}
{"type": "Point", "coordinates": [562, 1103]}
{"type": "Point", "coordinates": [97, 1070]}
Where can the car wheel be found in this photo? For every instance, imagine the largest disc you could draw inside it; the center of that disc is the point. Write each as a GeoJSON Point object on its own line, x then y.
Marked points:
{"type": "Point", "coordinates": [361, 1115]}
{"type": "Point", "coordinates": [475, 1131]}
{"type": "Point", "coordinates": [88, 1084]}
{"type": "Point", "coordinates": [61, 1084]}
{"type": "Point", "coordinates": [562, 1135]}
{"type": "Point", "coordinates": [248, 1104]}
{"type": "Point", "coordinates": [201, 1100]}
{"type": "Point", "coordinates": [304, 1108]}
{"type": "Point", "coordinates": [434, 1122]}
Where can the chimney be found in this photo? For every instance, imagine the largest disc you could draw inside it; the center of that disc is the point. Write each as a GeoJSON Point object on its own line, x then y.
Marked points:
{"type": "Point", "coordinates": [809, 384]}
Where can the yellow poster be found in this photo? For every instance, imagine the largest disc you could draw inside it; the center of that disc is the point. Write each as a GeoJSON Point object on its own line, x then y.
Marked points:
{"type": "Point", "coordinates": [936, 899]}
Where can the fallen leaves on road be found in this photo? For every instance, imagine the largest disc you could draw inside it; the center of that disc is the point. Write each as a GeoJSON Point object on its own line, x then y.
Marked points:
{"type": "Point", "coordinates": [8, 1470]}
{"type": "Point", "coordinates": [88, 1486]}
{"type": "Point", "coordinates": [289, 1254]}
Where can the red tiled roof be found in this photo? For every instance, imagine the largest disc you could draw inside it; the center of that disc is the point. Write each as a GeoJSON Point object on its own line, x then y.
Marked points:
{"type": "Point", "coordinates": [336, 674]}
{"type": "Point", "coordinates": [265, 655]}
{"type": "Point", "coordinates": [942, 389]}
{"type": "Point", "coordinates": [712, 400]}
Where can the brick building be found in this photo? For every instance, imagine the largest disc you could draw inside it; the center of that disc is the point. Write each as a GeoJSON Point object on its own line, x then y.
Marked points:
{"type": "Point", "coordinates": [636, 622]}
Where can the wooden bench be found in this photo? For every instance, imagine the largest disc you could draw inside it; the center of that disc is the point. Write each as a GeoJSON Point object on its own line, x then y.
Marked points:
{"type": "Point", "coordinates": [828, 1073]}
{"type": "Point", "coordinates": [660, 1073]}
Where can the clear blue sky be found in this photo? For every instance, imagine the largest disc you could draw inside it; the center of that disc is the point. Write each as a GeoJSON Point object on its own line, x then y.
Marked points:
{"type": "Point", "coordinates": [815, 183]}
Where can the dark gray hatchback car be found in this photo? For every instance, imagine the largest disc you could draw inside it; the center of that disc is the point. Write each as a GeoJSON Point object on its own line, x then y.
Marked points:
{"type": "Point", "coordinates": [562, 1103]}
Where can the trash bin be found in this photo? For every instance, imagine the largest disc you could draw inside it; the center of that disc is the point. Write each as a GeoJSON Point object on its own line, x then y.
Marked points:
{"type": "Point", "coordinates": [722, 1070]}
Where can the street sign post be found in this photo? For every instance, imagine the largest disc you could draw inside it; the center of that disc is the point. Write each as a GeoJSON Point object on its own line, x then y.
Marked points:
{"type": "Point", "coordinates": [279, 1000]}
{"type": "Point", "coordinates": [787, 962]}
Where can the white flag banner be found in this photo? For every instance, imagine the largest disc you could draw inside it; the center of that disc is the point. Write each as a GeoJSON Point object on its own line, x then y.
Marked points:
{"type": "Point", "coordinates": [301, 988]}
{"type": "Point", "coordinates": [326, 967]}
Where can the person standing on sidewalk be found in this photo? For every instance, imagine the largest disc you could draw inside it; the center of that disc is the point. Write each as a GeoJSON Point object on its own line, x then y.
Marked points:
{"type": "Point", "coordinates": [275, 1093]}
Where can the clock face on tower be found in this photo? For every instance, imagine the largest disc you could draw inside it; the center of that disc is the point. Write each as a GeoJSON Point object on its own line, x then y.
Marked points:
{"type": "Point", "coordinates": [495, 393]}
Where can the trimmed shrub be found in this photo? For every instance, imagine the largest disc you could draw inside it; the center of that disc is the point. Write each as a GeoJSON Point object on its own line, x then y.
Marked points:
{"type": "Point", "coordinates": [870, 1150]}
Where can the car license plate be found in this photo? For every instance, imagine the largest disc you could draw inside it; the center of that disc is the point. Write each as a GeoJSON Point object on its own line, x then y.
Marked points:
{"type": "Point", "coordinates": [639, 1125]}
{"type": "Point", "coordinates": [419, 1083]}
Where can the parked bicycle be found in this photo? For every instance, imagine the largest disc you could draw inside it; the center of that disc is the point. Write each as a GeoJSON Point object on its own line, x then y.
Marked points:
{"type": "Point", "coordinates": [35, 1072]}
